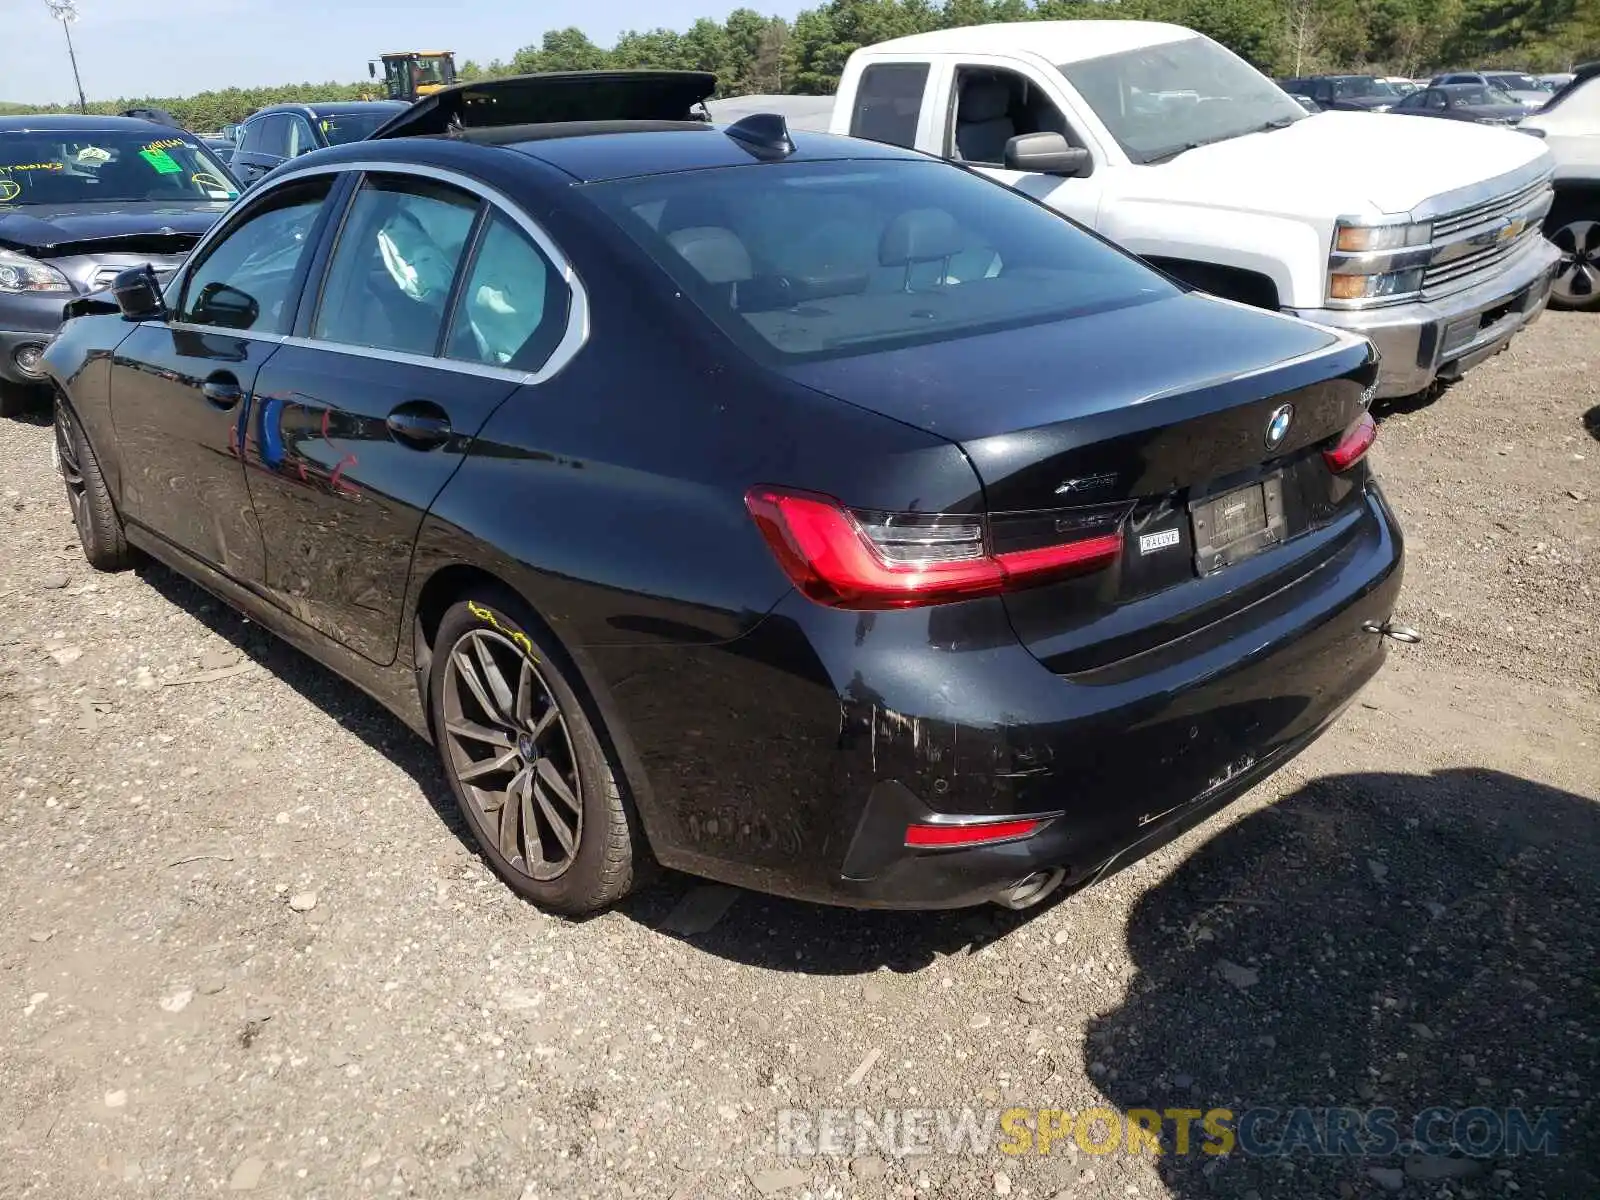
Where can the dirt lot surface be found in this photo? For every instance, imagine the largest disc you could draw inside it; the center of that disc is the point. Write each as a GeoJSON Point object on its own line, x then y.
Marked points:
{"type": "Point", "coordinates": [246, 948]}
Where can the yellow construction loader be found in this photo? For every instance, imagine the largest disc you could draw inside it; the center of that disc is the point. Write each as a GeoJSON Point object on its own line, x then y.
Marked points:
{"type": "Point", "coordinates": [412, 74]}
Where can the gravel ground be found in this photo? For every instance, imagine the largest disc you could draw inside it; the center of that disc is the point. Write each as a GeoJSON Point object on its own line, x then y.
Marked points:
{"type": "Point", "coordinates": [249, 950]}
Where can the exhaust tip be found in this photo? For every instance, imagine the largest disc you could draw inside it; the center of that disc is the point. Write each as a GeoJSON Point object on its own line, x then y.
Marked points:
{"type": "Point", "coordinates": [1394, 631]}
{"type": "Point", "coordinates": [1030, 890]}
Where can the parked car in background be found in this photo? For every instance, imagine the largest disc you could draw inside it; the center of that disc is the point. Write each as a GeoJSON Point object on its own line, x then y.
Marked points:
{"type": "Point", "coordinates": [1475, 102]}
{"type": "Point", "coordinates": [1306, 102]}
{"type": "Point", "coordinates": [219, 146]}
{"type": "Point", "coordinates": [1401, 85]}
{"type": "Point", "coordinates": [273, 135]}
{"type": "Point", "coordinates": [1423, 238]}
{"type": "Point", "coordinates": [1522, 89]}
{"type": "Point", "coordinates": [82, 198]}
{"type": "Point", "coordinates": [1570, 127]}
{"type": "Point", "coordinates": [1557, 80]}
{"type": "Point", "coordinates": [1352, 93]}
{"type": "Point", "coordinates": [994, 557]}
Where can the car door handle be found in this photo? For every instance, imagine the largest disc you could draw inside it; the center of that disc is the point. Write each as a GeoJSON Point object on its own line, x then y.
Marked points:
{"type": "Point", "coordinates": [222, 391]}
{"type": "Point", "coordinates": [420, 424]}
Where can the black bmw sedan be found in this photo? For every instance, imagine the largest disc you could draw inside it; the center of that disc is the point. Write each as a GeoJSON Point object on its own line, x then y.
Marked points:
{"type": "Point", "coordinates": [791, 510]}
{"type": "Point", "coordinates": [82, 198]}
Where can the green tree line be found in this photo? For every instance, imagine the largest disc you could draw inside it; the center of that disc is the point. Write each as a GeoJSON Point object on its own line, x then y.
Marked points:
{"type": "Point", "coordinates": [753, 53]}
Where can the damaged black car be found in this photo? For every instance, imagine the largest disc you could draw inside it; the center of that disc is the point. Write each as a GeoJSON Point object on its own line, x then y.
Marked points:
{"type": "Point", "coordinates": [82, 198]}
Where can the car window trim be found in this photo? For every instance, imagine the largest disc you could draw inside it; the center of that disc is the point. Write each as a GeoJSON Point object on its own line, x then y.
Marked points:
{"type": "Point", "coordinates": [458, 285]}
{"type": "Point", "coordinates": [573, 339]}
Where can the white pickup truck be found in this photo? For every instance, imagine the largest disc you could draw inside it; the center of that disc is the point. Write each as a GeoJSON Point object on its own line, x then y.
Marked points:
{"type": "Point", "coordinates": [1422, 235]}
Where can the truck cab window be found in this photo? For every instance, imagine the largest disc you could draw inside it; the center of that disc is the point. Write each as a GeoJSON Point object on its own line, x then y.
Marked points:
{"type": "Point", "coordinates": [992, 107]}
{"type": "Point", "coordinates": [888, 102]}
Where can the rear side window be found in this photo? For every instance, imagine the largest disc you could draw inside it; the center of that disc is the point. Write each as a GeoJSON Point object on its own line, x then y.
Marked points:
{"type": "Point", "coordinates": [389, 281]}
{"type": "Point", "coordinates": [888, 102]}
{"type": "Point", "coordinates": [823, 259]}
{"type": "Point", "coordinates": [512, 310]}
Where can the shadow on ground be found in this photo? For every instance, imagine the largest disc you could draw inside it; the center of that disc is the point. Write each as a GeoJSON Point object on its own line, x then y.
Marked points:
{"type": "Point", "coordinates": [1374, 940]}
{"type": "Point", "coordinates": [1591, 422]}
{"type": "Point", "coordinates": [340, 700]}
{"type": "Point", "coordinates": [769, 932]}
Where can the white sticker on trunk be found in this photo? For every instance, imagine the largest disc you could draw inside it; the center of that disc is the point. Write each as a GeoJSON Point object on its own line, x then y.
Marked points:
{"type": "Point", "coordinates": [1151, 542]}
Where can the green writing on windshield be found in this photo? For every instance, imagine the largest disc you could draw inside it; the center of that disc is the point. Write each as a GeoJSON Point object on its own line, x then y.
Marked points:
{"type": "Point", "coordinates": [163, 162]}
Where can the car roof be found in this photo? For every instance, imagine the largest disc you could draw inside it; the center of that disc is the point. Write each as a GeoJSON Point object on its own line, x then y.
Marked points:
{"type": "Point", "coordinates": [332, 108]}
{"type": "Point", "coordinates": [664, 147]}
{"type": "Point", "coordinates": [591, 152]}
{"type": "Point", "coordinates": [74, 123]}
{"type": "Point", "coordinates": [1057, 41]}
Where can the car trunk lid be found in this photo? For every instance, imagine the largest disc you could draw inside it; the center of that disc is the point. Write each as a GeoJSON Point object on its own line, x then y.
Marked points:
{"type": "Point", "coordinates": [1200, 451]}
{"type": "Point", "coordinates": [551, 98]}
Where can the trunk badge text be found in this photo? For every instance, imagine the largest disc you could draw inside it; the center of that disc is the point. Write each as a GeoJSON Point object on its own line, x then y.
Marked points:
{"type": "Point", "coordinates": [1089, 483]}
{"type": "Point", "coordinates": [1157, 541]}
{"type": "Point", "coordinates": [1278, 425]}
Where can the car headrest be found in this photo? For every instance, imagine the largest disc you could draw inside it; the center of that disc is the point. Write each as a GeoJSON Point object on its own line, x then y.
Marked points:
{"type": "Point", "coordinates": [984, 100]}
{"type": "Point", "coordinates": [716, 253]}
{"type": "Point", "coordinates": [920, 235]}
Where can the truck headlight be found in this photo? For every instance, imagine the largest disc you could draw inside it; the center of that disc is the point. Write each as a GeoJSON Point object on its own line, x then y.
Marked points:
{"type": "Point", "coordinates": [19, 273]}
{"type": "Point", "coordinates": [1375, 287]}
{"type": "Point", "coordinates": [1356, 239]}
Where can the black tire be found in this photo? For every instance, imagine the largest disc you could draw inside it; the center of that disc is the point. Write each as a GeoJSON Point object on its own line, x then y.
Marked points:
{"type": "Point", "coordinates": [99, 527]}
{"type": "Point", "coordinates": [608, 852]}
{"type": "Point", "coordinates": [18, 398]}
{"type": "Point", "coordinates": [1574, 226]}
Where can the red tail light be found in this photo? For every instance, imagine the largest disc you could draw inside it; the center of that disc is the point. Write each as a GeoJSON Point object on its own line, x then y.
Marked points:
{"type": "Point", "coordinates": [847, 559]}
{"type": "Point", "coordinates": [972, 833]}
{"type": "Point", "coordinates": [1353, 444]}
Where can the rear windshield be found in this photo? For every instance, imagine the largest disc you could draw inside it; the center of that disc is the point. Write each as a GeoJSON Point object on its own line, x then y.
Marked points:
{"type": "Point", "coordinates": [339, 128]}
{"type": "Point", "coordinates": [817, 260]}
{"type": "Point", "coordinates": [84, 167]}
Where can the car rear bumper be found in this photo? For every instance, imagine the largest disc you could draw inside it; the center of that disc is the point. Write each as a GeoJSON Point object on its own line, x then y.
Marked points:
{"type": "Point", "coordinates": [931, 722]}
{"type": "Point", "coordinates": [1443, 339]}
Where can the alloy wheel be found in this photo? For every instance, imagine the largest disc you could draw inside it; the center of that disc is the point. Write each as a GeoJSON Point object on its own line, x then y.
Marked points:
{"type": "Point", "coordinates": [71, 473]}
{"type": "Point", "coordinates": [510, 749]}
{"type": "Point", "coordinates": [1577, 280]}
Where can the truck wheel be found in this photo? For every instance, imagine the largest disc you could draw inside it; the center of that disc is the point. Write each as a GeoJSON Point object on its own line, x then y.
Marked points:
{"type": "Point", "coordinates": [1574, 227]}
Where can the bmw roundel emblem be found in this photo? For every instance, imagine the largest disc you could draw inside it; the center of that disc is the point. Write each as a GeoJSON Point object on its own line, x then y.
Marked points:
{"type": "Point", "coordinates": [1278, 426]}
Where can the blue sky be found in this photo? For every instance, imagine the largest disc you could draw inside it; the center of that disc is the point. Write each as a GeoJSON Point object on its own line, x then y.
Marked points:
{"type": "Point", "coordinates": [178, 47]}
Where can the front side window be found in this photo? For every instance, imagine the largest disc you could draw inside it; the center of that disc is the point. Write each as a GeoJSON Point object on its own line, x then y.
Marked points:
{"type": "Point", "coordinates": [992, 107]}
{"type": "Point", "coordinates": [88, 167]}
{"type": "Point", "coordinates": [1158, 101]}
{"type": "Point", "coordinates": [825, 259]}
{"type": "Point", "coordinates": [513, 308]}
{"type": "Point", "coordinates": [888, 103]}
{"type": "Point", "coordinates": [247, 278]}
{"type": "Point", "coordinates": [301, 139]}
{"type": "Point", "coordinates": [388, 283]}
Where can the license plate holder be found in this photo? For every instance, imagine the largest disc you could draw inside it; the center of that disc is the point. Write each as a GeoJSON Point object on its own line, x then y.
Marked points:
{"type": "Point", "coordinates": [1241, 522]}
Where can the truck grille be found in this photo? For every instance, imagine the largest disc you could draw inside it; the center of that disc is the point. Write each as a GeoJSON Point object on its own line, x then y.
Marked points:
{"type": "Point", "coordinates": [1470, 244]}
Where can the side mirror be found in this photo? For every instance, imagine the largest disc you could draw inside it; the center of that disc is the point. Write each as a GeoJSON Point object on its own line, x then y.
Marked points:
{"type": "Point", "coordinates": [225, 307]}
{"type": "Point", "coordinates": [1047, 154]}
{"type": "Point", "coordinates": [138, 294]}
{"type": "Point", "coordinates": [372, 70]}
